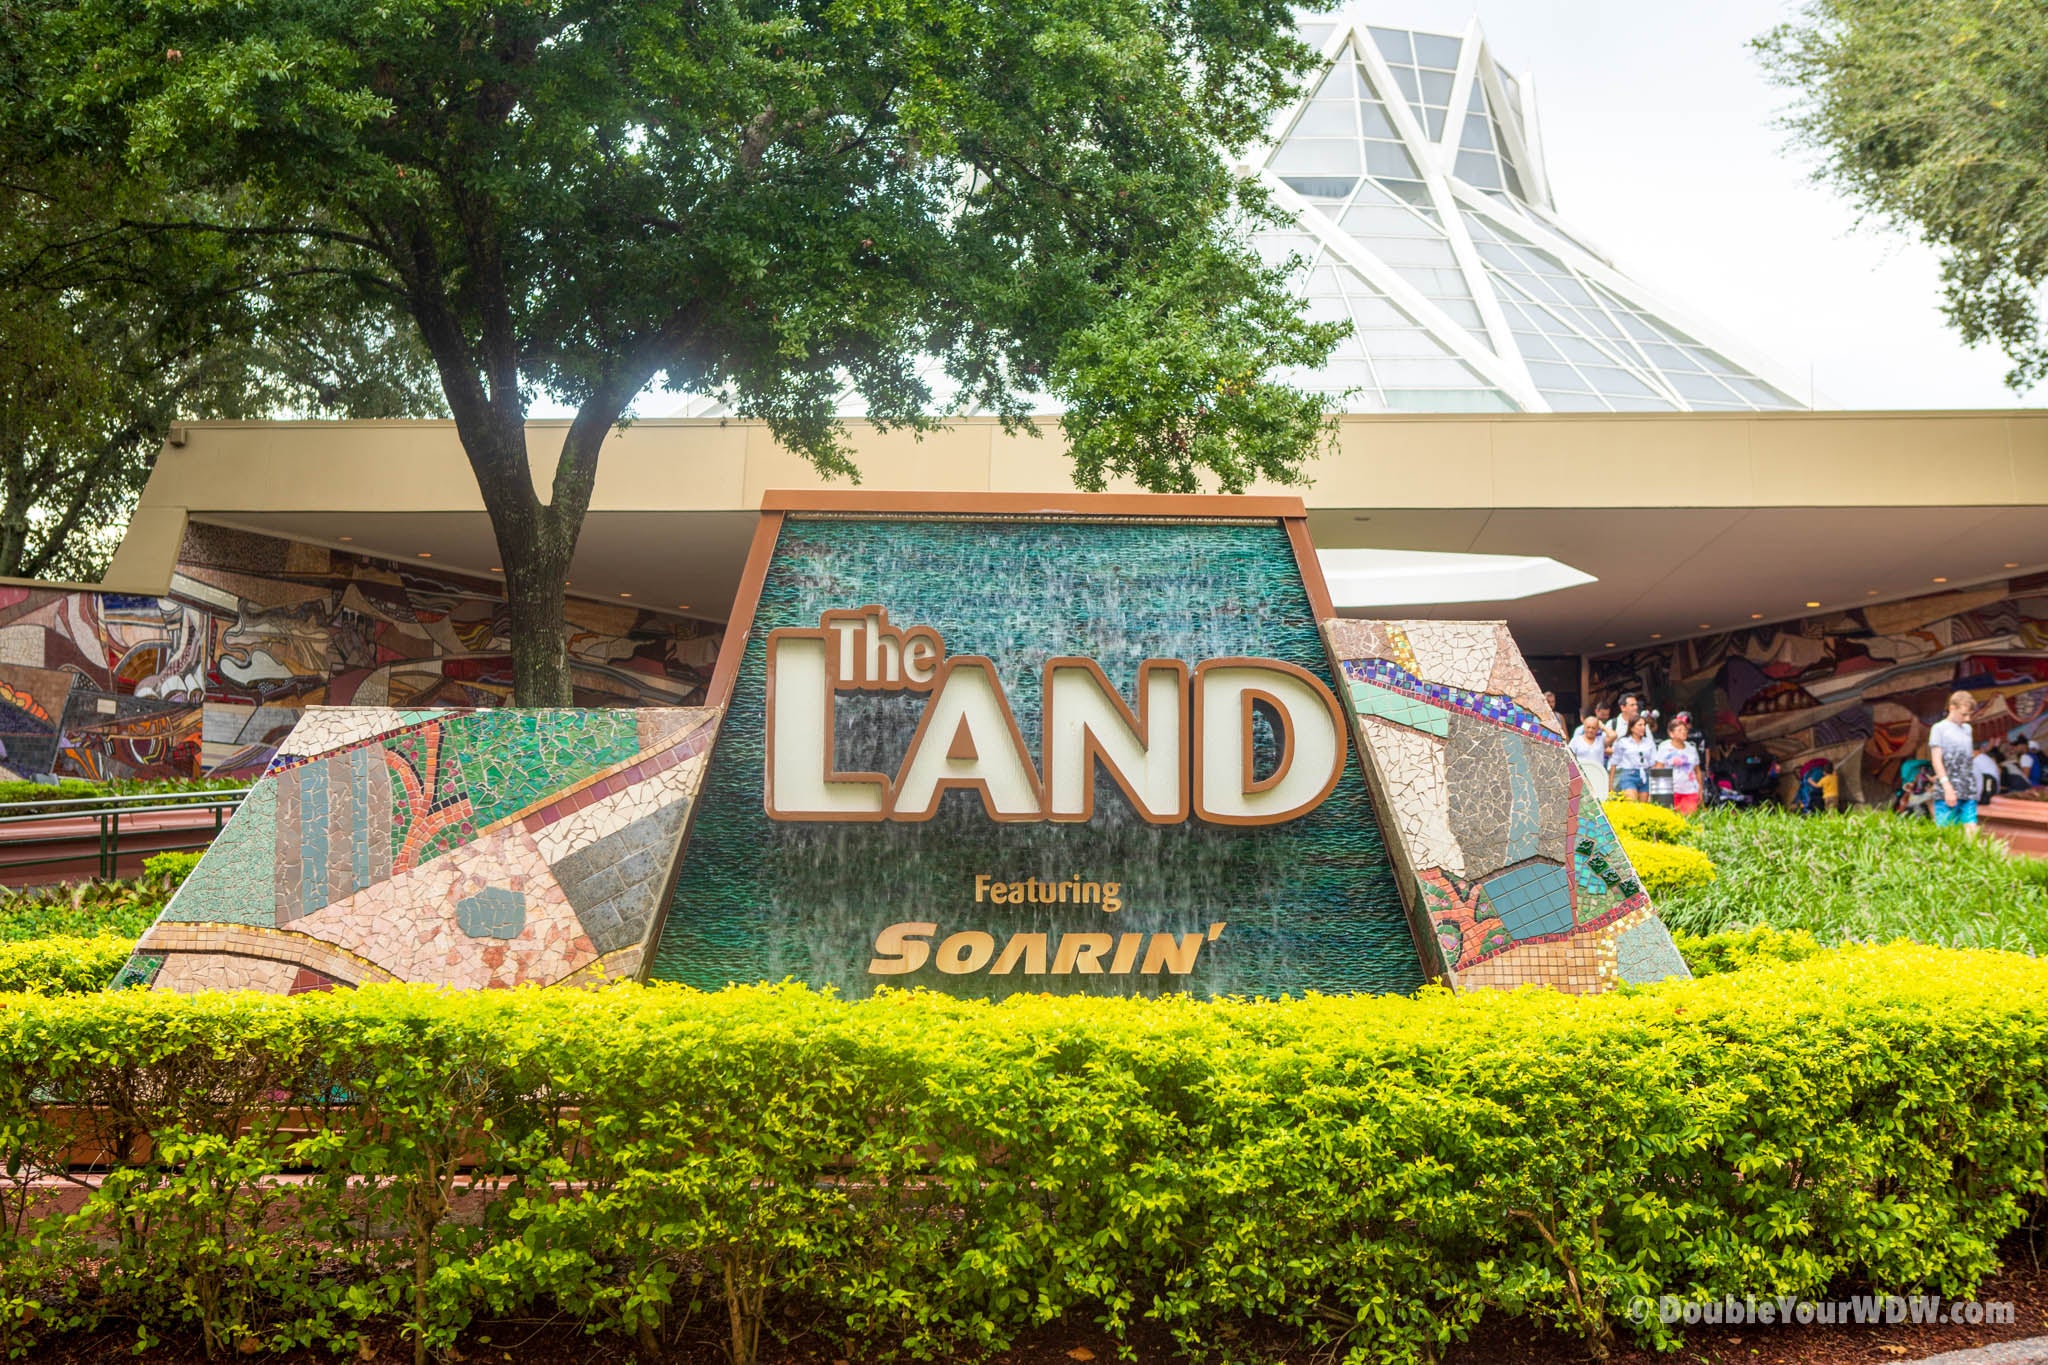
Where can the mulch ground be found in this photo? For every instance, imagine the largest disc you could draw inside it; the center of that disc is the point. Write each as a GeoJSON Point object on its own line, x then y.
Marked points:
{"type": "Point", "coordinates": [2024, 1284]}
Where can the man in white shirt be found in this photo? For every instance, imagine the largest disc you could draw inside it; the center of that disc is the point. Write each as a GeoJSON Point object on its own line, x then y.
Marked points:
{"type": "Point", "coordinates": [1589, 747]}
{"type": "Point", "coordinates": [1952, 751]}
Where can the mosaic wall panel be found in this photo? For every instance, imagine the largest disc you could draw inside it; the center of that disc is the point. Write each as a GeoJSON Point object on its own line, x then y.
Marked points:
{"type": "Point", "coordinates": [470, 848]}
{"type": "Point", "coordinates": [1858, 688]}
{"type": "Point", "coordinates": [208, 679]}
{"type": "Point", "coordinates": [1517, 877]}
{"type": "Point", "coordinates": [1307, 904]}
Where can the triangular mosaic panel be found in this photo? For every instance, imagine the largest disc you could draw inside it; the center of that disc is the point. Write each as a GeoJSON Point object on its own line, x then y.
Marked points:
{"type": "Point", "coordinates": [1515, 875]}
{"type": "Point", "coordinates": [473, 848]}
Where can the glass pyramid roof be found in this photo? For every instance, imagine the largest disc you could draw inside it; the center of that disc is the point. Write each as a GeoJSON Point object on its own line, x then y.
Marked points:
{"type": "Point", "coordinates": [1413, 169]}
{"type": "Point", "coordinates": [1422, 216]}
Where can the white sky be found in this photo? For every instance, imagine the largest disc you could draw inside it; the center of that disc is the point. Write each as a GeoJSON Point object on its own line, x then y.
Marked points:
{"type": "Point", "coordinates": [1660, 133]}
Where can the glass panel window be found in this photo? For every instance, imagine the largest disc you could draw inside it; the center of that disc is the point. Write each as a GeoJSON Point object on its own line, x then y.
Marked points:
{"type": "Point", "coordinates": [1393, 44]}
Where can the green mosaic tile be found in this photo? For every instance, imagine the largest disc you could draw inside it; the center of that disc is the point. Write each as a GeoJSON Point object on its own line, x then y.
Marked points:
{"type": "Point", "coordinates": [235, 882]}
{"type": "Point", "coordinates": [1370, 699]}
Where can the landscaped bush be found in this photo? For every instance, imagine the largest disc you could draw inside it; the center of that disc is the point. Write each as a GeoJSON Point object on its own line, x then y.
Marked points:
{"type": "Point", "coordinates": [62, 963]}
{"type": "Point", "coordinates": [93, 909]}
{"type": "Point", "coordinates": [1862, 876]}
{"type": "Point", "coordinates": [920, 1172]}
{"type": "Point", "coordinates": [1646, 821]}
{"type": "Point", "coordinates": [1736, 950]}
{"type": "Point", "coordinates": [1657, 842]}
{"type": "Point", "coordinates": [1665, 869]}
{"type": "Point", "coordinates": [31, 798]}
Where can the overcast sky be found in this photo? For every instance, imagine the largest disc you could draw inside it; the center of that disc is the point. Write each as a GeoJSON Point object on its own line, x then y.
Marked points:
{"type": "Point", "coordinates": [1660, 133]}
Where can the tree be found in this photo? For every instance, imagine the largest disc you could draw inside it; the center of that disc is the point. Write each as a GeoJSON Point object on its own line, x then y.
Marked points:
{"type": "Point", "coordinates": [773, 201]}
{"type": "Point", "coordinates": [1932, 115]}
{"type": "Point", "coordinates": [109, 334]}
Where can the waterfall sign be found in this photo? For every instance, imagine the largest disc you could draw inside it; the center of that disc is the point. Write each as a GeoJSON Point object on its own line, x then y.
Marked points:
{"type": "Point", "coordinates": [1078, 745]}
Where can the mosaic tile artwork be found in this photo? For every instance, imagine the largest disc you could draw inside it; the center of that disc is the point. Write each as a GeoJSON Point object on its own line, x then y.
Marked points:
{"type": "Point", "coordinates": [208, 679]}
{"type": "Point", "coordinates": [474, 848]}
{"type": "Point", "coordinates": [1858, 688]}
{"type": "Point", "coordinates": [1517, 877]}
{"type": "Point", "coordinates": [1308, 904]}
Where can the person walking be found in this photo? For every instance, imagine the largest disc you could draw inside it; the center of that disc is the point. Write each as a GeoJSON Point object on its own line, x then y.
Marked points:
{"type": "Point", "coordinates": [1952, 751]}
{"type": "Point", "coordinates": [1628, 764]}
{"type": "Point", "coordinates": [1678, 754]}
{"type": "Point", "coordinates": [1589, 745]}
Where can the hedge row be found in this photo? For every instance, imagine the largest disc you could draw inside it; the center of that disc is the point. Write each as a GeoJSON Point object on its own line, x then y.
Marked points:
{"type": "Point", "coordinates": [918, 1173]}
{"type": "Point", "coordinates": [63, 963]}
{"type": "Point", "coordinates": [1658, 843]}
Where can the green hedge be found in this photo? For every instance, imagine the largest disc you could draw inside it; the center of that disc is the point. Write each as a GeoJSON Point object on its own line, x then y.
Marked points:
{"type": "Point", "coordinates": [63, 963]}
{"type": "Point", "coordinates": [93, 909]}
{"type": "Point", "coordinates": [1738, 950]}
{"type": "Point", "coordinates": [1866, 876]}
{"type": "Point", "coordinates": [28, 798]}
{"type": "Point", "coordinates": [936, 1175]}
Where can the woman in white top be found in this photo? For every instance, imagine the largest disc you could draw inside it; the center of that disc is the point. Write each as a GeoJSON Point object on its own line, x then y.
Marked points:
{"type": "Point", "coordinates": [1678, 754]}
{"type": "Point", "coordinates": [1628, 766]}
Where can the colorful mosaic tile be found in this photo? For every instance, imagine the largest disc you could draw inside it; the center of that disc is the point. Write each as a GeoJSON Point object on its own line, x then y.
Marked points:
{"type": "Point", "coordinates": [463, 848]}
{"type": "Point", "coordinates": [1517, 880]}
{"type": "Point", "coordinates": [1501, 710]}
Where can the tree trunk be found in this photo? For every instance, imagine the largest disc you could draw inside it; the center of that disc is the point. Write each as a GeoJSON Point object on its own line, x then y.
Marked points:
{"type": "Point", "coordinates": [536, 581]}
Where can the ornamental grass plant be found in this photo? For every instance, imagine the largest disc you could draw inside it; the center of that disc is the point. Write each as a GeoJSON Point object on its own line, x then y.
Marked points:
{"type": "Point", "coordinates": [917, 1174]}
{"type": "Point", "coordinates": [1863, 876]}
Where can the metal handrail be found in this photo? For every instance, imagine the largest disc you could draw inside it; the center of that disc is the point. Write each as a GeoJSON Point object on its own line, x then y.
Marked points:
{"type": "Point", "coordinates": [108, 812]}
{"type": "Point", "coordinates": [86, 805]}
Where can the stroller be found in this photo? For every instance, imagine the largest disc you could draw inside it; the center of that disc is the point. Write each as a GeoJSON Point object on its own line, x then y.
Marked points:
{"type": "Point", "coordinates": [1916, 794]}
{"type": "Point", "coordinates": [1745, 776]}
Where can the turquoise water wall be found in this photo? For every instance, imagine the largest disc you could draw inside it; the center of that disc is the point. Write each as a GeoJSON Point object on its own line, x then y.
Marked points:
{"type": "Point", "coordinates": [1308, 905]}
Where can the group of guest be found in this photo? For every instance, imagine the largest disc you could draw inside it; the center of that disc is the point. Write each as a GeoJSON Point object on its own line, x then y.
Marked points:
{"type": "Point", "coordinates": [1625, 746]}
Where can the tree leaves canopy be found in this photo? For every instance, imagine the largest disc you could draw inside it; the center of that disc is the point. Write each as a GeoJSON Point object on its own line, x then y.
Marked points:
{"type": "Point", "coordinates": [763, 198]}
{"type": "Point", "coordinates": [1933, 115]}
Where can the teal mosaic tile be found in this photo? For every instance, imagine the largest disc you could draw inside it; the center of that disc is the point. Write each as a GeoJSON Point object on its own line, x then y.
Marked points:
{"type": "Point", "coordinates": [235, 882]}
{"type": "Point", "coordinates": [1370, 699]}
{"type": "Point", "coordinates": [1644, 952]}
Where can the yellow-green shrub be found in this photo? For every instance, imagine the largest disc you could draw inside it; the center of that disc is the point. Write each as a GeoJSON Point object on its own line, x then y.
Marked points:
{"type": "Point", "coordinates": [1665, 868]}
{"type": "Point", "coordinates": [942, 1175]}
{"type": "Point", "coordinates": [62, 962]}
{"type": "Point", "coordinates": [1736, 950]}
{"type": "Point", "coordinates": [1647, 821]}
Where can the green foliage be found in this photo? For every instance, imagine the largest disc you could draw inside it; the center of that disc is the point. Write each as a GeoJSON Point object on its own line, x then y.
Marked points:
{"type": "Point", "coordinates": [1645, 820]}
{"type": "Point", "coordinates": [921, 1172]}
{"type": "Point", "coordinates": [32, 798]}
{"type": "Point", "coordinates": [60, 964]}
{"type": "Point", "coordinates": [93, 909]}
{"type": "Point", "coordinates": [1665, 869]}
{"type": "Point", "coordinates": [1735, 950]}
{"type": "Point", "coordinates": [112, 327]}
{"type": "Point", "coordinates": [170, 869]}
{"type": "Point", "coordinates": [1933, 115]}
{"type": "Point", "coordinates": [1863, 876]}
{"type": "Point", "coordinates": [586, 197]}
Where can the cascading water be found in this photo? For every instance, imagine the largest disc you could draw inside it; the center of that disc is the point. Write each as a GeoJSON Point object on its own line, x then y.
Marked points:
{"type": "Point", "coordinates": [1308, 905]}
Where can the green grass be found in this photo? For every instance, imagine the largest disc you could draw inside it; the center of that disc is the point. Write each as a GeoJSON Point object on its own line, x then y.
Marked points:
{"type": "Point", "coordinates": [1865, 876]}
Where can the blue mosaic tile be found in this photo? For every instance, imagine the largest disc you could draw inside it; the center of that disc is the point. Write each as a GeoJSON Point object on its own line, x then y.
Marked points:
{"type": "Point", "coordinates": [493, 912]}
{"type": "Point", "coordinates": [1486, 705]}
{"type": "Point", "coordinates": [1532, 900]}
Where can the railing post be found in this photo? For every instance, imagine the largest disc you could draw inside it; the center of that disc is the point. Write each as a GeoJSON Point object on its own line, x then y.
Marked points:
{"type": "Point", "coordinates": [113, 845]}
